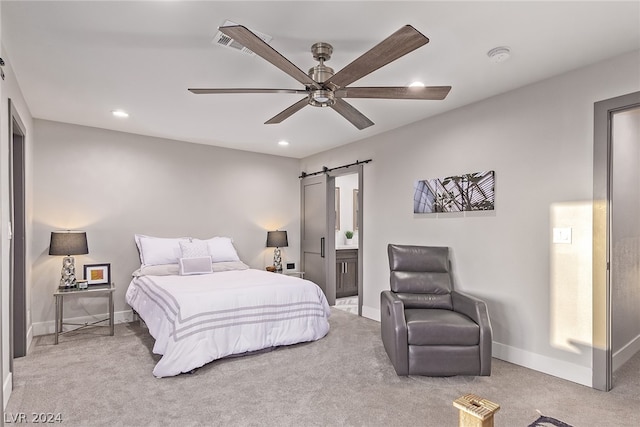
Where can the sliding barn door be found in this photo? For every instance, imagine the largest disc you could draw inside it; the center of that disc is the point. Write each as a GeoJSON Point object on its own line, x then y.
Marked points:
{"type": "Point", "coordinates": [317, 233]}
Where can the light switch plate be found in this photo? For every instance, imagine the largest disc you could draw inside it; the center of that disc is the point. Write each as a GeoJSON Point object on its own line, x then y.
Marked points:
{"type": "Point", "coordinates": [561, 234]}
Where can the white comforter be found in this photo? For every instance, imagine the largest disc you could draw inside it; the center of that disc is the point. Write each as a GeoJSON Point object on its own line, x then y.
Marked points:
{"type": "Point", "coordinates": [200, 318]}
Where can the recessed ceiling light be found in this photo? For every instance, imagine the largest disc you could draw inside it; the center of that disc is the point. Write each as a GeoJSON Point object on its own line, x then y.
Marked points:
{"type": "Point", "coordinates": [416, 84]}
{"type": "Point", "coordinates": [499, 54]}
{"type": "Point", "coordinates": [120, 113]}
{"type": "Point", "coordinates": [283, 143]}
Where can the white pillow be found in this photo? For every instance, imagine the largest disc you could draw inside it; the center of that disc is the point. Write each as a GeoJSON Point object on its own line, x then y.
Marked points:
{"type": "Point", "coordinates": [199, 265]}
{"type": "Point", "coordinates": [157, 270]}
{"type": "Point", "coordinates": [194, 249]}
{"type": "Point", "coordinates": [159, 250]}
{"type": "Point", "coordinates": [174, 269]}
{"type": "Point", "coordinates": [221, 249]}
{"type": "Point", "coordinates": [229, 266]}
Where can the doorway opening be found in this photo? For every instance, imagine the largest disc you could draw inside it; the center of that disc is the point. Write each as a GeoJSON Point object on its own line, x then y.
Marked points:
{"type": "Point", "coordinates": [347, 237]}
{"type": "Point", "coordinates": [320, 233]}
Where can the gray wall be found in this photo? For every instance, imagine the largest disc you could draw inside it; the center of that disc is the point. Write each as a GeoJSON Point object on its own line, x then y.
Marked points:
{"type": "Point", "coordinates": [115, 184]}
{"type": "Point", "coordinates": [539, 142]}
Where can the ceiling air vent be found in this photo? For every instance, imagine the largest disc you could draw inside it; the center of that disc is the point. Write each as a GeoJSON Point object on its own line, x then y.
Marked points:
{"type": "Point", "coordinates": [227, 41]}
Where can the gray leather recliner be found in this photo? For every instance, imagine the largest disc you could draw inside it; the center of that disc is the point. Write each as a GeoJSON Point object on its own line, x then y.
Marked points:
{"type": "Point", "coordinates": [427, 327]}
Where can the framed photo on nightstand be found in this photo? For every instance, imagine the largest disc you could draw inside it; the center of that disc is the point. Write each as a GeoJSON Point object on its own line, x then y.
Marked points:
{"type": "Point", "coordinates": [97, 274]}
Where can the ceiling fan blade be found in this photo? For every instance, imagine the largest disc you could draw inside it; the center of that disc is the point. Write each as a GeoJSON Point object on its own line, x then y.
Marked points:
{"type": "Point", "coordinates": [400, 92]}
{"type": "Point", "coordinates": [245, 37]}
{"type": "Point", "coordinates": [278, 118]}
{"type": "Point", "coordinates": [350, 113]}
{"type": "Point", "coordinates": [398, 44]}
{"type": "Point", "coordinates": [223, 91]}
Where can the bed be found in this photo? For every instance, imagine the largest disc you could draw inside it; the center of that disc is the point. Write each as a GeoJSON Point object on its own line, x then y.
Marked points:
{"type": "Point", "coordinates": [227, 309]}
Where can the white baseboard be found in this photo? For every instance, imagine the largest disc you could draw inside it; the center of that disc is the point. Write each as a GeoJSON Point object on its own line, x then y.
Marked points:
{"type": "Point", "coordinates": [623, 355]}
{"type": "Point", "coordinates": [537, 362]}
{"type": "Point", "coordinates": [371, 313]}
{"type": "Point", "coordinates": [46, 328]}
{"type": "Point", "coordinates": [7, 386]}
{"type": "Point", "coordinates": [557, 368]}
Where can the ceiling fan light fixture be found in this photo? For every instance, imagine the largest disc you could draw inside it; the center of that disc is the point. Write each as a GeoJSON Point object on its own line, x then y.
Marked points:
{"type": "Point", "coordinates": [323, 88]}
{"type": "Point", "coordinates": [321, 98]}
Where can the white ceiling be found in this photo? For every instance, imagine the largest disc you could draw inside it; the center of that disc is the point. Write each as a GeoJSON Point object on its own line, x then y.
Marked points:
{"type": "Point", "coordinates": [77, 61]}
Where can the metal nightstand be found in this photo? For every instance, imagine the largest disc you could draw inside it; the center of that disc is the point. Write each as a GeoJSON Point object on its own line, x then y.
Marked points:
{"type": "Point", "coordinates": [60, 294]}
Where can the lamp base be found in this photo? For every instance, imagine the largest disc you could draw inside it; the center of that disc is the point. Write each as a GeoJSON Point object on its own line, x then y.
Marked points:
{"type": "Point", "coordinates": [277, 259]}
{"type": "Point", "coordinates": [68, 279]}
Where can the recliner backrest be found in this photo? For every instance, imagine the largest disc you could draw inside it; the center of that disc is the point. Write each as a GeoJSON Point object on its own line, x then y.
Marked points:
{"type": "Point", "coordinates": [420, 275]}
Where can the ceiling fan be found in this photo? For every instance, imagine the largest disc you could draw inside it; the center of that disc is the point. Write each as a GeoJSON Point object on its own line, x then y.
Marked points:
{"type": "Point", "coordinates": [323, 87]}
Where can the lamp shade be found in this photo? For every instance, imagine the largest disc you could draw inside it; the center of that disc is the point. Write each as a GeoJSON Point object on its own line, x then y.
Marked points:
{"type": "Point", "coordinates": [277, 239]}
{"type": "Point", "coordinates": [68, 243]}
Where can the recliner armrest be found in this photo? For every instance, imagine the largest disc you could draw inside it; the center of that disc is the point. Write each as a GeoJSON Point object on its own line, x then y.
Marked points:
{"type": "Point", "coordinates": [476, 309]}
{"type": "Point", "coordinates": [470, 306]}
{"type": "Point", "coordinates": [394, 331]}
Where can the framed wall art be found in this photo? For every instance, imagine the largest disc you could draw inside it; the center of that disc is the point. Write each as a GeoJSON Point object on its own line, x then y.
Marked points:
{"type": "Point", "coordinates": [469, 192]}
{"type": "Point", "coordinates": [97, 274]}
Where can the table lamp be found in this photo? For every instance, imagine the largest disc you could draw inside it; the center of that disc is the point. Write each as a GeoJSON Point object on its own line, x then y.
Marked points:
{"type": "Point", "coordinates": [277, 240]}
{"type": "Point", "coordinates": [68, 243]}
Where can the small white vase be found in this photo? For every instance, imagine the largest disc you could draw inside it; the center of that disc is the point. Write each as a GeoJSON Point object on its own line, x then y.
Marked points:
{"type": "Point", "coordinates": [349, 241]}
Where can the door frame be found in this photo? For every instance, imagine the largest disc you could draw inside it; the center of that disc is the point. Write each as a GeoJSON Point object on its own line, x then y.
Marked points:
{"type": "Point", "coordinates": [602, 373]}
{"type": "Point", "coordinates": [350, 170]}
{"type": "Point", "coordinates": [330, 247]}
{"type": "Point", "coordinates": [17, 246]}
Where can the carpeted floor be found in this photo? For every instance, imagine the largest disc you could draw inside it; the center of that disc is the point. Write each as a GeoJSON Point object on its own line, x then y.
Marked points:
{"type": "Point", "coordinates": [345, 379]}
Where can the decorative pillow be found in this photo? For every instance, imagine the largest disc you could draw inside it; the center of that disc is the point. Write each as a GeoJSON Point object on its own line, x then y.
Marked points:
{"type": "Point", "coordinates": [194, 249]}
{"type": "Point", "coordinates": [199, 265]}
{"type": "Point", "coordinates": [159, 250]}
{"type": "Point", "coordinates": [221, 249]}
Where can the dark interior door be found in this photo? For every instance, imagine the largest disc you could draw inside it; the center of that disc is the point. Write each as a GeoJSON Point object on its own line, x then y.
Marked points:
{"type": "Point", "coordinates": [18, 285]}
